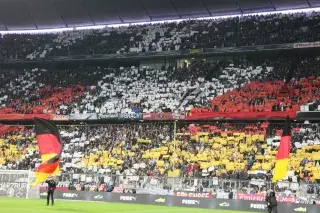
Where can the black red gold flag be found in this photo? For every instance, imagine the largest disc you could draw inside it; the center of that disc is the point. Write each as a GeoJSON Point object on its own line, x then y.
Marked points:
{"type": "Point", "coordinates": [50, 148]}
{"type": "Point", "coordinates": [282, 158]}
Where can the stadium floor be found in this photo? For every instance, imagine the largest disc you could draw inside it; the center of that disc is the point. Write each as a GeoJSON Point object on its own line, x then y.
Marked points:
{"type": "Point", "coordinates": [15, 205]}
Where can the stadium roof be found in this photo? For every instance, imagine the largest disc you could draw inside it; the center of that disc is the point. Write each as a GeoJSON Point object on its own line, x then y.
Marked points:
{"type": "Point", "coordinates": [48, 14]}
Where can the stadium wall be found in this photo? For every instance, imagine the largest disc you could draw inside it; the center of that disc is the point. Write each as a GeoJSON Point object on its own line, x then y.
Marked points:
{"type": "Point", "coordinates": [208, 203]}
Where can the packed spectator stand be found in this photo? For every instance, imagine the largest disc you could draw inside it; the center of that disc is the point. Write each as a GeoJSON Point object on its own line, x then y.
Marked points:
{"type": "Point", "coordinates": [185, 35]}
{"type": "Point", "coordinates": [229, 152]}
{"type": "Point", "coordinates": [201, 86]}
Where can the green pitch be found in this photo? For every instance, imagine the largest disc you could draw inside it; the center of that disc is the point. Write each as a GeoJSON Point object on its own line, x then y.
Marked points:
{"type": "Point", "coordinates": [13, 205]}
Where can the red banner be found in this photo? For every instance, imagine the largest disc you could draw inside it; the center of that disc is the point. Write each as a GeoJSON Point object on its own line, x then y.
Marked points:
{"type": "Point", "coordinates": [286, 199]}
{"type": "Point", "coordinates": [251, 197]}
{"type": "Point", "coordinates": [24, 116]}
{"type": "Point", "coordinates": [240, 115]}
{"type": "Point", "coordinates": [161, 116]}
{"type": "Point", "coordinates": [261, 197]}
{"type": "Point", "coordinates": [60, 117]}
{"type": "Point", "coordinates": [117, 190]}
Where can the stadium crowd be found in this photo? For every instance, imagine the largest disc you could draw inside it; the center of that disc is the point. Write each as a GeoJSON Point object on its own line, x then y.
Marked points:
{"type": "Point", "coordinates": [222, 150]}
{"type": "Point", "coordinates": [227, 151]}
{"type": "Point", "coordinates": [201, 86]}
{"type": "Point", "coordinates": [185, 35]}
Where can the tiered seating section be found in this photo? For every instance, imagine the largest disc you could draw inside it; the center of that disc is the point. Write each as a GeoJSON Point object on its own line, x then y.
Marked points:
{"type": "Point", "coordinates": [266, 97]}
{"type": "Point", "coordinates": [18, 147]}
{"type": "Point", "coordinates": [224, 150]}
{"type": "Point", "coordinates": [39, 91]}
{"type": "Point", "coordinates": [202, 86]}
{"type": "Point", "coordinates": [230, 32]}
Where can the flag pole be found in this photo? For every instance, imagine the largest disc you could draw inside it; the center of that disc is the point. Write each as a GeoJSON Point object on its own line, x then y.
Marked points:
{"type": "Point", "coordinates": [28, 184]}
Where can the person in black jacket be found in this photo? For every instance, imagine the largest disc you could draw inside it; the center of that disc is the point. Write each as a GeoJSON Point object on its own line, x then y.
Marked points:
{"type": "Point", "coordinates": [272, 203]}
{"type": "Point", "coordinates": [51, 187]}
{"type": "Point", "coordinates": [268, 201]}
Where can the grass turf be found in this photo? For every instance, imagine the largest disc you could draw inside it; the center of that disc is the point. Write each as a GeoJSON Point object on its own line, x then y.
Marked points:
{"type": "Point", "coordinates": [15, 205]}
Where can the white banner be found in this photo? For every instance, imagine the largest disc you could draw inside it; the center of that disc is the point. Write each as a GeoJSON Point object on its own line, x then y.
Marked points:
{"type": "Point", "coordinates": [89, 116]}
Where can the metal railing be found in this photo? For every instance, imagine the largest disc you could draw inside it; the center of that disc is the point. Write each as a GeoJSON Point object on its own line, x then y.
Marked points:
{"type": "Point", "coordinates": [169, 185]}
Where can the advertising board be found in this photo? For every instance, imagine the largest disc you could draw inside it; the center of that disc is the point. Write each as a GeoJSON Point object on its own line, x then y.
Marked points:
{"type": "Point", "coordinates": [167, 200]}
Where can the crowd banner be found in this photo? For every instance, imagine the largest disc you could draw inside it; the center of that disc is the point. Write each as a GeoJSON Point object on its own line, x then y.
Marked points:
{"type": "Point", "coordinates": [167, 200]}
{"type": "Point", "coordinates": [261, 197]}
{"type": "Point", "coordinates": [56, 117]}
{"type": "Point", "coordinates": [24, 116]}
{"type": "Point", "coordinates": [88, 116]}
{"type": "Point", "coordinates": [306, 44]}
{"type": "Point", "coordinates": [240, 115]}
{"type": "Point", "coordinates": [121, 116]}
{"type": "Point", "coordinates": [251, 197]}
{"type": "Point", "coordinates": [13, 189]}
{"type": "Point", "coordinates": [159, 116]}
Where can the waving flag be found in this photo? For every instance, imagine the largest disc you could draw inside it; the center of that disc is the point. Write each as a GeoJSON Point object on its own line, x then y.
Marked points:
{"type": "Point", "coordinates": [50, 148]}
{"type": "Point", "coordinates": [282, 158]}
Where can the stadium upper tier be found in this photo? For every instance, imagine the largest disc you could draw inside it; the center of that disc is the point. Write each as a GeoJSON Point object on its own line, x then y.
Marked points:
{"type": "Point", "coordinates": [201, 86]}
{"type": "Point", "coordinates": [229, 32]}
{"type": "Point", "coordinates": [224, 150]}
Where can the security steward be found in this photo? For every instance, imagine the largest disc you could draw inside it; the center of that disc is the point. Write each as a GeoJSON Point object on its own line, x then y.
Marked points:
{"type": "Point", "coordinates": [51, 187]}
{"type": "Point", "coordinates": [268, 201]}
{"type": "Point", "coordinates": [272, 203]}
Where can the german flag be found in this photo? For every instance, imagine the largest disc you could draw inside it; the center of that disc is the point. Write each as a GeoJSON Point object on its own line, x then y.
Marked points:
{"type": "Point", "coordinates": [282, 158]}
{"type": "Point", "coordinates": [50, 148]}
